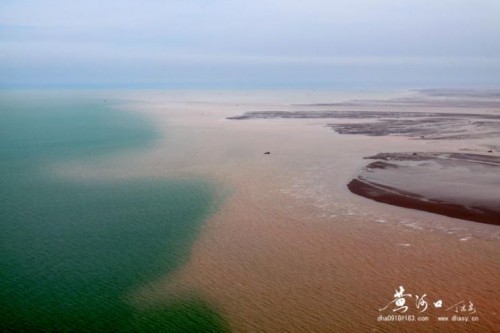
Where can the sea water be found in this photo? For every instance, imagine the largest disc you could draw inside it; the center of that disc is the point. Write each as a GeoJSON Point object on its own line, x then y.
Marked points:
{"type": "Point", "coordinates": [71, 250]}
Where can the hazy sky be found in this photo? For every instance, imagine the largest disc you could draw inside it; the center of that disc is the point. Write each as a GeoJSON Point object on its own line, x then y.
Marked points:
{"type": "Point", "coordinates": [282, 43]}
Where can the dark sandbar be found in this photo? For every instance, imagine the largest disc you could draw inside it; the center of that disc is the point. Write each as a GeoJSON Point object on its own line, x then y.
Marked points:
{"type": "Point", "coordinates": [462, 186]}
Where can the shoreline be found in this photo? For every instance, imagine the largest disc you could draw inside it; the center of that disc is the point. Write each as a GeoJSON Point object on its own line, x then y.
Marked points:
{"type": "Point", "coordinates": [458, 185]}
{"type": "Point", "coordinates": [397, 197]}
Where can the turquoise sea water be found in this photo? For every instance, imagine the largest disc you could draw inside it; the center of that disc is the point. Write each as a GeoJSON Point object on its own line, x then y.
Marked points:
{"type": "Point", "coordinates": [72, 250]}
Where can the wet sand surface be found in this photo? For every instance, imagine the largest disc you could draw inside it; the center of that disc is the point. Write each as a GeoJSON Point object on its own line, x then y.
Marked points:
{"type": "Point", "coordinates": [290, 249]}
{"type": "Point", "coordinates": [421, 125]}
{"type": "Point", "coordinates": [465, 186]}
